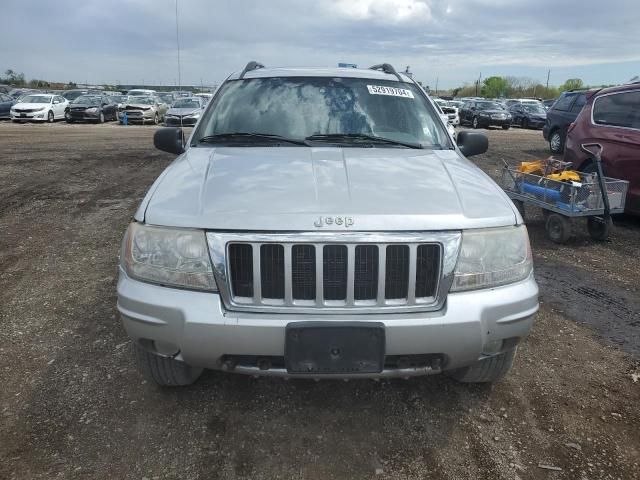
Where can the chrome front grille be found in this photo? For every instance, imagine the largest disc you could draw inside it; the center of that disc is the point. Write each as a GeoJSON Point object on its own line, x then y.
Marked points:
{"type": "Point", "coordinates": [334, 272]}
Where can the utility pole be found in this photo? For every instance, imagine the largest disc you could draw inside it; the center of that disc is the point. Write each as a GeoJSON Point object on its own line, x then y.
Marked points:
{"type": "Point", "coordinates": [548, 75]}
{"type": "Point", "coordinates": [437, 78]}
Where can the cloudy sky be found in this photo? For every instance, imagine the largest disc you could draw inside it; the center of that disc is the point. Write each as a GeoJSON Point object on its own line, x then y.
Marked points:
{"type": "Point", "coordinates": [134, 41]}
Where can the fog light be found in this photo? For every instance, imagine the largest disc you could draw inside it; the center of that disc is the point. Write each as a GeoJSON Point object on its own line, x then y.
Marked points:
{"type": "Point", "coordinates": [492, 347]}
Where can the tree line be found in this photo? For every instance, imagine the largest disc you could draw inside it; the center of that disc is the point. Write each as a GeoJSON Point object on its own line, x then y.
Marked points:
{"type": "Point", "coordinates": [515, 87]}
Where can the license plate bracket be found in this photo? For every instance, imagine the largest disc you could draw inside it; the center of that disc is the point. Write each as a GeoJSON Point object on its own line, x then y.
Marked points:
{"type": "Point", "coordinates": [334, 347]}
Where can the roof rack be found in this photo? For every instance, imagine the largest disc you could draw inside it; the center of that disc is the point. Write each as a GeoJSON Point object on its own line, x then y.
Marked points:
{"type": "Point", "coordinates": [387, 68]}
{"type": "Point", "coordinates": [251, 66]}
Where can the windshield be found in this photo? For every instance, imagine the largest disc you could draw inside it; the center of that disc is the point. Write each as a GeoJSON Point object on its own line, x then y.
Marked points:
{"type": "Point", "coordinates": [533, 108]}
{"type": "Point", "coordinates": [36, 99]}
{"type": "Point", "coordinates": [72, 95]}
{"type": "Point", "coordinates": [142, 100]}
{"type": "Point", "coordinates": [489, 106]}
{"type": "Point", "coordinates": [87, 100]}
{"type": "Point", "coordinates": [299, 107]}
{"type": "Point", "coordinates": [186, 103]}
{"type": "Point", "coordinates": [119, 98]}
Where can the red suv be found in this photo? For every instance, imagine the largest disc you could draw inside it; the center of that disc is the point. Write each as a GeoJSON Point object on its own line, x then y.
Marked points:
{"type": "Point", "coordinates": [610, 117]}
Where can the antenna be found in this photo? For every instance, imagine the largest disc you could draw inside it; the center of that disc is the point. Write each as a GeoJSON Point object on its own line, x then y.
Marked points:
{"type": "Point", "coordinates": [179, 78]}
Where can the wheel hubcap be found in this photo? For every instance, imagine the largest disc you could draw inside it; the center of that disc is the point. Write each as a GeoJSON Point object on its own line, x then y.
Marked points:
{"type": "Point", "coordinates": [555, 141]}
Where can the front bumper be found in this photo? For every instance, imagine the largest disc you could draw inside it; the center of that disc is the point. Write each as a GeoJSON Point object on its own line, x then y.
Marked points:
{"type": "Point", "coordinates": [175, 121]}
{"type": "Point", "coordinates": [147, 115]}
{"type": "Point", "coordinates": [82, 115]}
{"type": "Point", "coordinates": [196, 328]}
{"type": "Point", "coordinates": [41, 116]}
{"type": "Point", "coordinates": [494, 122]}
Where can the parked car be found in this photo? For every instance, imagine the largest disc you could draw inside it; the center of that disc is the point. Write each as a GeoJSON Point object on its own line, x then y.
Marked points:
{"type": "Point", "coordinates": [185, 111]}
{"type": "Point", "coordinates": [71, 95]}
{"type": "Point", "coordinates": [484, 114]}
{"type": "Point", "coordinates": [205, 96]}
{"type": "Point", "coordinates": [143, 109]}
{"type": "Point", "coordinates": [610, 117]}
{"type": "Point", "coordinates": [325, 238]}
{"type": "Point", "coordinates": [16, 93]}
{"type": "Point", "coordinates": [120, 100]}
{"type": "Point", "coordinates": [141, 92]}
{"type": "Point", "coordinates": [450, 110]}
{"type": "Point", "coordinates": [6, 102]}
{"type": "Point", "coordinates": [547, 104]}
{"type": "Point", "coordinates": [528, 115]}
{"type": "Point", "coordinates": [530, 101]}
{"type": "Point", "coordinates": [38, 107]}
{"type": "Point", "coordinates": [563, 112]}
{"type": "Point", "coordinates": [92, 108]}
{"type": "Point", "coordinates": [5, 88]}
{"type": "Point", "coordinates": [445, 120]}
{"type": "Point", "coordinates": [167, 98]}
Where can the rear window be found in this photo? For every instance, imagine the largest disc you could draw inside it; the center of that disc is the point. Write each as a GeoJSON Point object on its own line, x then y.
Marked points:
{"type": "Point", "coordinates": [564, 102]}
{"type": "Point", "coordinates": [579, 103]}
{"type": "Point", "coordinates": [618, 110]}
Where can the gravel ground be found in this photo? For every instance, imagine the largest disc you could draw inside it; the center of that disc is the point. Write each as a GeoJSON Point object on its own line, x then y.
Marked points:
{"type": "Point", "coordinates": [72, 404]}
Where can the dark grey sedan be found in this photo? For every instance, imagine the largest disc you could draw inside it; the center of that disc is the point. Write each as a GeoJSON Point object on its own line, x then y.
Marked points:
{"type": "Point", "coordinates": [5, 105]}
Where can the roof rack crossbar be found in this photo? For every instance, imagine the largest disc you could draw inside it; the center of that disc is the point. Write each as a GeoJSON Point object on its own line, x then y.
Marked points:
{"type": "Point", "coordinates": [387, 68]}
{"type": "Point", "coordinates": [251, 66]}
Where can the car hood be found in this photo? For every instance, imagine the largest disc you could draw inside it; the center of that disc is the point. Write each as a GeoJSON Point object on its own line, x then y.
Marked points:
{"type": "Point", "coordinates": [183, 111]}
{"type": "Point", "coordinates": [288, 188]}
{"type": "Point", "coordinates": [84, 105]}
{"type": "Point", "coordinates": [139, 105]}
{"type": "Point", "coordinates": [30, 105]}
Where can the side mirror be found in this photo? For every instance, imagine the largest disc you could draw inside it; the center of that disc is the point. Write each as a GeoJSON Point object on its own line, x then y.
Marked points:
{"type": "Point", "coordinates": [169, 139]}
{"type": "Point", "coordinates": [472, 143]}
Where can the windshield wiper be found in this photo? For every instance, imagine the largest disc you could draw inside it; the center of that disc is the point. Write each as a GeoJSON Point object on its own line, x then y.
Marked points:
{"type": "Point", "coordinates": [222, 137]}
{"type": "Point", "coordinates": [360, 137]}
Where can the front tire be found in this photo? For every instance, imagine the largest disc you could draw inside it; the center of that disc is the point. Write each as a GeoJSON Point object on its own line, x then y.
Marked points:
{"type": "Point", "coordinates": [491, 369]}
{"type": "Point", "coordinates": [101, 118]}
{"type": "Point", "coordinates": [50, 117]}
{"type": "Point", "coordinates": [474, 122]}
{"type": "Point", "coordinates": [166, 371]}
{"type": "Point", "coordinates": [558, 228]}
{"type": "Point", "coordinates": [156, 119]}
{"type": "Point", "coordinates": [556, 142]}
{"type": "Point", "coordinates": [505, 127]}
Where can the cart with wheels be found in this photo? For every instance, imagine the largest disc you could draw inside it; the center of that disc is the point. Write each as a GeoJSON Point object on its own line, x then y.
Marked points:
{"type": "Point", "coordinates": [593, 196]}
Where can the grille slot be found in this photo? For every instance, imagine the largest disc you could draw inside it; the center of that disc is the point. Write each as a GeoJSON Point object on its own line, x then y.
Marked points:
{"type": "Point", "coordinates": [427, 270]}
{"type": "Point", "coordinates": [241, 267]}
{"type": "Point", "coordinates": [335, 272]}
{"type": "Point", "coordinates": [365, 278]}
{"type": "Point", "coordinates": [272, 271]}
{"type": "Point", "coordinates": [397, 272]}
{"type": "Point", "coordinates": [303, 272]}
{"type": "Point", "coordinates": [307, 273]}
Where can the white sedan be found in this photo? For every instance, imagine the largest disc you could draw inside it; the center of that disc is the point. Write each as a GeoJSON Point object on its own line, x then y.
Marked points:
{"type": "Point", "coordinates": [41, 107]}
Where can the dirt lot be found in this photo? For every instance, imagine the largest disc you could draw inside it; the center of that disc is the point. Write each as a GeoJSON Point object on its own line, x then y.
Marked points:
{"type": "Point", "coordinates": [72, 404]}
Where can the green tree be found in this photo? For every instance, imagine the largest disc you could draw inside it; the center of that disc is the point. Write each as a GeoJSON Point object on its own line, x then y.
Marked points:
{"type": "Point", "coordinates": [572, 84]}
{"type": "Point", "coordinates": [494, 87]}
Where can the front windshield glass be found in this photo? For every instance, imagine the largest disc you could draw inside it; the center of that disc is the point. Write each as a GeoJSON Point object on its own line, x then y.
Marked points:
{"type": "Point", "coordinates": [186, 103]}
{"type": "Point", "coordinates": [489, 106]}
{"type": "Point", "coordinates": [533, 108]}
{"type": "Point", "coordinates": [119, 98]}
{"type": "Point", "coordinates": [299, 107]}
{"type": "Point", "coordinates": [142, 100]}
{"type": "Point", "coordinates": [36, 99]}
{"type": "Point", "coordinates": [87, 100]}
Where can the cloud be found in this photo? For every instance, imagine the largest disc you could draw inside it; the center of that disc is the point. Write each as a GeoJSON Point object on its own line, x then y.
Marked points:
{"type": "Point", "coordinates": [391, 11]}
{"type": "Point", "coordinates": [132, 41]}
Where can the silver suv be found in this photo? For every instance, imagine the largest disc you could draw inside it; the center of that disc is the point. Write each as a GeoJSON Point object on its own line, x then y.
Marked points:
{"type": "Point", "coordinates": [322, 223]}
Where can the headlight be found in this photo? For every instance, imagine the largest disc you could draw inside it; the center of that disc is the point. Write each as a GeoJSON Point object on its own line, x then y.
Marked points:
{"type": "Point", "coordinates": [39, 109]}
{"type": "Point", "coordinates": [193, 115]}
{"type": "Point", "coordinates": [175, 257]}
{"type": "Point", "coordinates": [92, 110]}
{"type": "Point", "coordinates": [492, 257]}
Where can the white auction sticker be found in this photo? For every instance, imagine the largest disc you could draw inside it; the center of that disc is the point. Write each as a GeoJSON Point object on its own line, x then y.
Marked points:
{"type": "Point", "coordinates": [392, 91]}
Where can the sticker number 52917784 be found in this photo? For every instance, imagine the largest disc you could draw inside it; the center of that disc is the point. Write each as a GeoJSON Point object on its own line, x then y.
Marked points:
{"type": "Point", "coordinates": [392, 91]}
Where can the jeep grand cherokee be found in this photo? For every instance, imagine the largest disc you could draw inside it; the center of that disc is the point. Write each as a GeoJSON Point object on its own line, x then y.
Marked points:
{"type": "Point", "coordinates": [322, 223]}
